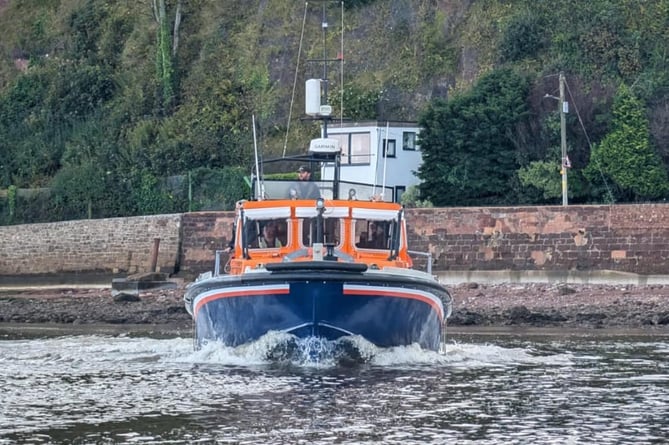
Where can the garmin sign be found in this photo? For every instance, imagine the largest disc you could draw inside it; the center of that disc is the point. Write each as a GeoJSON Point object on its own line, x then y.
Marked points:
{"type": "Point", "coordinates": [324, 146]}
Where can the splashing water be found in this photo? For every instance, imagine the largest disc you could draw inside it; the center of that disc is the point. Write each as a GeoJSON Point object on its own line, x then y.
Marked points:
{"type": "Point", "coordinates": [96, 389]}
{"type": "Point", "coordinates": [283, 348]}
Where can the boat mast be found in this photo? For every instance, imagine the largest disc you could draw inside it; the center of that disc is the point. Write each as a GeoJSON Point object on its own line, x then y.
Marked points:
{"type": "Point", "coordinates": [324, 112]}
{"type": "Point", "coordinates": [324, 28]}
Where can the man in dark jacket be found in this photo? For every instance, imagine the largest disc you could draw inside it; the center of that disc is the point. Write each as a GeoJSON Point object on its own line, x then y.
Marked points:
{"type": "Point", "coordinates": [304, 188]}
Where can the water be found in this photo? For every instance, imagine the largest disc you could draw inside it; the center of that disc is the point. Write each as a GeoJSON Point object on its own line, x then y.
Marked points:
{"type": "Point", "coordinates": [482, 389]}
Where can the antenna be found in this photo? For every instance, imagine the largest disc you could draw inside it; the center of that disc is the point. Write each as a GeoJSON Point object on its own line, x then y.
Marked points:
{"type": "Point", "coordinates": [259, 194]}
{"type": "Point", "coordinates": [324, 28]}
{"type": "Point", "coordinates": [379, 139]}
{"type": "Point", "coordinates": [341, 71]}
{"type": "Point", "coordinates": [316, 93]}
{"type": "Point", "coordinates": [385, 160]}
{"type": "Point", "coordinates": [297, 70]}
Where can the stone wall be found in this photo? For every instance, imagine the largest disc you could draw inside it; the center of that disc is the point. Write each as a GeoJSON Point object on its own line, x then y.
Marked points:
{"type": "Point", "coordinates": [114, 246]}
{"type": "Point", "coordinates": [625, 238]}
{"type": "Point", "coordinates": [203, 234]}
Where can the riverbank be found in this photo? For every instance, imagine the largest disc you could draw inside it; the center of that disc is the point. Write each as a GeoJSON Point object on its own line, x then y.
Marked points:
{"type": "Point", "coordinates": [536, 305]}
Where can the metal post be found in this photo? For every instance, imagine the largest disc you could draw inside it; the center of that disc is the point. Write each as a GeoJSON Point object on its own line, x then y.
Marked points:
{"type": "Point", "coordinates": [217, 263]}
{"type": "Point", "coordinates": [428, 264]}
{"type": "Point", "coordinates": [324, 97]}
{"type": "Point", "coordinates": [563, 141]}
{"type": "Point", "coordinates": [190, 192]}
{"type": "Point", "coordinates": [154, 254]}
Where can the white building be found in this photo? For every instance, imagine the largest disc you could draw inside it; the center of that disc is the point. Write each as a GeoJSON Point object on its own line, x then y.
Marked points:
{"type": "Point", "coordinates": [377, 154]}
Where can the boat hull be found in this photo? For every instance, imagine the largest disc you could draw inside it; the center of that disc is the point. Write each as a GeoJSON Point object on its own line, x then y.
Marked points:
{"type": "Point", "coordinates": [386, 309]}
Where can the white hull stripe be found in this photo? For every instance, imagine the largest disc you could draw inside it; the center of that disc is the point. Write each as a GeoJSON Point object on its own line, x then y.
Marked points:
{"type": "Point", "coordinates": [349, 289]}
{"type": "Point", "coordinates": [240, 291]}
{"type": "Point", "coordinates": [397, 292]}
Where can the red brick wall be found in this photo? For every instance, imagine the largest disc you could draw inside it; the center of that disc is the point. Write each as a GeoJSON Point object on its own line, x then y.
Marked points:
{"type": "Point", "coordinates": [626, 238]}
{"type": "Point", "coordinates": [202, 234]}
{"type": "Point", "coordinates": [629, 238]}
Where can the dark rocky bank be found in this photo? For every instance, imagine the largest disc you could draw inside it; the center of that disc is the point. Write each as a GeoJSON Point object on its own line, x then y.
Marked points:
{"type": "Point", "coordinates": [535, 305]}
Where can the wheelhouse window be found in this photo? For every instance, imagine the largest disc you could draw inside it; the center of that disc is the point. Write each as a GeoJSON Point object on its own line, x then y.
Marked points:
{"type": "Point", "coordinates": [266, 233]}
{"type": "Point", "coordinates": [356, 148]}
{"type": "Point", "coordinates": [331, 231]}
{"type": "Point", "coordinates": [372, 234]}
{"type": "Point", "coordinates": [409, 140]}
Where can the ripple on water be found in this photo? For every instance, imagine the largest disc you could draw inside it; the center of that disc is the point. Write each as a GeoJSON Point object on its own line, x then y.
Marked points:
{"type": "Point", "coordinates": [276, 390]}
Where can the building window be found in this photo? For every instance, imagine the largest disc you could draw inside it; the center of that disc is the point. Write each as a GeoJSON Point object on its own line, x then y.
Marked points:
{"type": "Point", "coordinates": [355, 148]}
{"type": "Point", "coordinates": [409, 140]}
{"type": "Point", "coordinates": [389, 148]}
{"type": "Point", "coordinates": [343, 145]}
{"type": "Point", "coordinates": [361, 148]}
{"type": "Point", "coordinates": [399, 192]}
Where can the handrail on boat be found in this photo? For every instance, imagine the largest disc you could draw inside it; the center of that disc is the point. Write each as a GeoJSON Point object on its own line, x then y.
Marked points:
{"type": "Point", "coordinates": [425, 254]}
{"type": "Point", "coordinates": [217, 263]}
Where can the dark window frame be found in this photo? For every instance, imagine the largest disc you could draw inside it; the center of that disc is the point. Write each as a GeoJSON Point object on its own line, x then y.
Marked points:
{"type": "Point", "coordinates": [391, 151]}
{"type": "Point", "coordinates": [409, 141]}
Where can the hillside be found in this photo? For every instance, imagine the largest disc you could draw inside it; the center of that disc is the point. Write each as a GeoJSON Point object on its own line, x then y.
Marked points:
{"type": "Point", "coordinates": [100, 101]}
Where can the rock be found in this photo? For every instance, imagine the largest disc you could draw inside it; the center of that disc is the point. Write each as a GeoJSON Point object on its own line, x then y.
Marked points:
{"type": "Point", "coordinates": [123, 297]}
{"type": "Point", "coordinates": [566, 290]}
{"type": "Point", "coordinates": [533, 304]}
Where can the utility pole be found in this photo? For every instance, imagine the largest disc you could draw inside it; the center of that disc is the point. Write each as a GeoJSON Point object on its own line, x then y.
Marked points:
{"type": "Point", "coordinates": [564, 109]}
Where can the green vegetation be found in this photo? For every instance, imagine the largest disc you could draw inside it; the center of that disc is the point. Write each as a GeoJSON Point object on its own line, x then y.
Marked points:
{"type": "Point", "coordinates": [469, 155]}
{"type": "Point", "coordinates": [125, 108]}
{"type": "Point", "coordinates": [625, 156]}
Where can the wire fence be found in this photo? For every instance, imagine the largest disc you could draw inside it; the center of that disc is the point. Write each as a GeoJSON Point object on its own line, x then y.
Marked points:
{"type": "Point", "coordinates": [199, 190]}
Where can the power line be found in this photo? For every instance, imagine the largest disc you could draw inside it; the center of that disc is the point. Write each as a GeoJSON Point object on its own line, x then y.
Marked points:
{"type": "Point", "coordinates": [587, 138]}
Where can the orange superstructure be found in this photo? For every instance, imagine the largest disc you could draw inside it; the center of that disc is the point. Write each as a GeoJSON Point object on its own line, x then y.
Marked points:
{"type": "Point", "coordinates": [346, 227]}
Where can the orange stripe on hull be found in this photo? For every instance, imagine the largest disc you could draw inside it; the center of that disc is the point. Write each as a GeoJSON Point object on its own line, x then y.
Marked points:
{"type": "Point", "coordinates": [377, 292]}
{"type": "Point", "coordinates": [239, 292]}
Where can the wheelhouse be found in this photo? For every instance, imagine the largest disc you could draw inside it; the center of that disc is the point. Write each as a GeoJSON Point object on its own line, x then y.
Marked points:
{"type": "Point", "coordinates": [330, 230]}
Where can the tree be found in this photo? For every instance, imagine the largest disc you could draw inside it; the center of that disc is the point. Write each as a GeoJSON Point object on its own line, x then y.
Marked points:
{"type": "Point", "coordinates": [468, 144]}
{"type": "Point", "coordinates": [625, 155]}
{"type": "Point", "coordinates": [166, 53]}
{"type": "Point", "coordinates": [544, 176]}
{"type": "Point", "coordinates": [523, 38]}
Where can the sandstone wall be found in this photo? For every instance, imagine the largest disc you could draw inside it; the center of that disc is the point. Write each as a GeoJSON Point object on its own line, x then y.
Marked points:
{"type": "Point", "coordinates": [114, 245]}
{"type": "Point", "coordinates": [625, 238]}
{"type": "Point", "coordinates": [203, 234]}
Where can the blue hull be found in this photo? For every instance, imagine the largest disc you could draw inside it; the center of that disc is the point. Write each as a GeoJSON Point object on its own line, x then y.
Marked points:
{"type": "Point", "coordinates": [386, 312]}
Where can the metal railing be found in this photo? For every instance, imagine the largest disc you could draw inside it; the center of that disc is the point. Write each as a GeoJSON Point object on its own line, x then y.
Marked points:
{"type": "Point", "coordinates": [428, 255]}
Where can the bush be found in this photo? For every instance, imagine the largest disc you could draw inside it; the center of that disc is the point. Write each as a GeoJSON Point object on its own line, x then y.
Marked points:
{"type": "Point", "coordinates": [523, 38]}
{"type": "Point", "coordinates": [217, 189]}
{"type": "Point", "coordinates": [411, 198]}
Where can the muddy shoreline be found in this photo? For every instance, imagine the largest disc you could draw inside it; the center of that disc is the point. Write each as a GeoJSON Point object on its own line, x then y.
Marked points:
{"type": "Point", "coordinates": [534, 305]}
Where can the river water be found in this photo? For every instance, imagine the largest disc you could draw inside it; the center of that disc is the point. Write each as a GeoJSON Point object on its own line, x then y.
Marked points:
{"type": "Point", "coordinates": [484, 389]}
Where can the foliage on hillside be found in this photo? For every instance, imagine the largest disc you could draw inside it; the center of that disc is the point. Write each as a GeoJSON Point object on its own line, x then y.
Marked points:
{"type": "Point", "coordinates": [469, 155]}
{"type": "Point", "coordinates": [625, 156]}
{"type": "Point", "coordinates": [103, 102]}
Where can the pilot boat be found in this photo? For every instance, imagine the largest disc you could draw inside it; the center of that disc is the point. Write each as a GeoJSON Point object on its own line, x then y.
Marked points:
{"type": "Point", "coordinates": [324, 276]}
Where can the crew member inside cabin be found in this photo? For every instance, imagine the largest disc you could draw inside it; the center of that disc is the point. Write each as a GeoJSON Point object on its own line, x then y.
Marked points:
{"type": "Point", "coordinates": [378, 235]}
{"type": "Point", "coordinates": [375, 237]}
{"type": "Point", "coordinates": [269, 237]}
{"type": "Point", "coordinates": [305, 188]}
